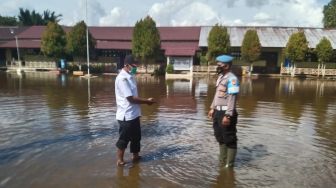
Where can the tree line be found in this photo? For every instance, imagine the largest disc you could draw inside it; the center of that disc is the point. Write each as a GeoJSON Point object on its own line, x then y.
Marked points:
{"type": "Point", "coordinates": [29, 18]}
{"type": "Point", "coordinates": [57, 43]}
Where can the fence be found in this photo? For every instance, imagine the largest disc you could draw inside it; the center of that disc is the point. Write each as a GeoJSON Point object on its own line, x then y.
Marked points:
{"type": "Point", "coordinates": [308, 71]}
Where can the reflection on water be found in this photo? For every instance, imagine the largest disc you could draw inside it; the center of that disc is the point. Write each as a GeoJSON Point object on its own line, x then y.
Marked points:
{"type": "Point", "coordinates": [60, 131]}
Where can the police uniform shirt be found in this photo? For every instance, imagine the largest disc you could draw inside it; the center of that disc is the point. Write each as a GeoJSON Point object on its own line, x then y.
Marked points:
{"type": "Point", "coordinates": [125, 86]}
{"type": "Point", "coordinates": [227, 88]}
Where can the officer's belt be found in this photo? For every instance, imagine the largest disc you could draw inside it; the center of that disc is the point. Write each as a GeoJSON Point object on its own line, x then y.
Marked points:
{"type": "Point", "coordinates": [221, 108]}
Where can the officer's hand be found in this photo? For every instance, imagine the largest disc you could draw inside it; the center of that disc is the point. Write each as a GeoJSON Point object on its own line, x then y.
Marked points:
{"type": "Point", "coordinates": [210, 113]}
{"type": "Point", "coordinates": [150, 101]}
{"type": "Point", "coordinates": [225, 121]}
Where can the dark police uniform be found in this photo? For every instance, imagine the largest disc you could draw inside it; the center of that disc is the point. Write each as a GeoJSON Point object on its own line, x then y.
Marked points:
{"type": "Point", "coordinates": [224, 104]}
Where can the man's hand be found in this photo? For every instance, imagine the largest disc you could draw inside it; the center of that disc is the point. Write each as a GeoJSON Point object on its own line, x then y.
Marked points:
{"type": "Point", "coordinates": [226, 121]}
{"type": "Point", "coordinates": [150, 101]}
{"type": "Point", "coordinates": [210, 113]}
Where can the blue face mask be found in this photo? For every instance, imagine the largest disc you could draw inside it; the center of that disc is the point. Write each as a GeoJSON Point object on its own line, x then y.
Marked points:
{"type": "Point", "coordinates": [133, 70]}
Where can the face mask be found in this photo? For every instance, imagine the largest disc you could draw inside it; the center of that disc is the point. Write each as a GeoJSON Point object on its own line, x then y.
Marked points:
{"type": "Point", "coordinates": [219, 69]}
{"type": "Point", "coordinates": [133, 70]}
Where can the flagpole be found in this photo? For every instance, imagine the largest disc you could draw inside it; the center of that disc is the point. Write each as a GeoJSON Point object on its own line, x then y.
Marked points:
{"type": "Point", "coordinates": [87, 41]}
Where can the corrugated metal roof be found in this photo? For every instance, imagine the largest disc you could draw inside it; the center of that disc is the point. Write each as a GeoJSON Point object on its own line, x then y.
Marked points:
{"type": "Point", "coordinates": [272, 36]}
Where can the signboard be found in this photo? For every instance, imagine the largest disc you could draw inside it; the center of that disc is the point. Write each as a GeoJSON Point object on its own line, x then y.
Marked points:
{"type": "Point", "coordinates": [181, 63]}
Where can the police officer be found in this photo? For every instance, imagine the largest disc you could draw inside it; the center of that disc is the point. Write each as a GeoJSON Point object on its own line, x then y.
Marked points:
{"type": "Point", "coordinates": [223, 111]}
{"type": "Point", "coordinates": [128, 110]}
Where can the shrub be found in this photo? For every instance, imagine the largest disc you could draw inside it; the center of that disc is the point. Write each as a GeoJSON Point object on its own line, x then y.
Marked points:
{"type": "Point", "coordinates": [170, 69]}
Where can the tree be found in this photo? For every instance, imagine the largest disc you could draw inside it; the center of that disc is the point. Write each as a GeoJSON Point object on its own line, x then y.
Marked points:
{"type": "Point", "coordinates": [53, 41]}
{"type": "Point", "coordinates": [324, 53]}
{"type": "Point", "coordinates": [218, 42]}
{"type": "Point", "coordinates": [296, 49]}
{"type": "Point", "coordinates": [8, 21]}
{"type": "Point", "coordinates": [251, 47]}
{"type": "Point", "coordinates": [76, 41]}
{"type": "Point", "coordinates": [51, 17]}
{"type": "Point", "coordinates": [324, 50]}
{"type": "Point", "coordinates": [146, 39]}
{"type": "Point", "coordinates": [28, 18]}
{"type": "Point", "coordinates": [329, 15]}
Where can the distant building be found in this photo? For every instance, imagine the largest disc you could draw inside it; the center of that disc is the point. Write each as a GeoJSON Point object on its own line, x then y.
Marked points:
{"type": "Point", "coordinates": [179, 45]}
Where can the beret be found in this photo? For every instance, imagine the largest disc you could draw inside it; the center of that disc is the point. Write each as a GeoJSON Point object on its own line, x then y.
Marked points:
{"type": "Point", "coordinates": [224, 58]}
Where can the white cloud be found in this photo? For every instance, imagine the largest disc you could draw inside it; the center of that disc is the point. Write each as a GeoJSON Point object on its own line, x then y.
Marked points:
{"type": "Point", "coordinates": [186, 13]}
{"type": "Point", "coordinates": [307, 13]}
{"type": "Point", "coordinates": [117, 17]}
{"type": "Point", "coordinates": [237, 22]}
{"type": "Point", "coordinates": [262, 16]}
{"type": "Point", "coordinates": [179, 12]}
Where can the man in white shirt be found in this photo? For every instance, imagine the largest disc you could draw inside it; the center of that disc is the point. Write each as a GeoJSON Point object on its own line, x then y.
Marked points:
{"type": "Point", "coordinates": [128, 110]}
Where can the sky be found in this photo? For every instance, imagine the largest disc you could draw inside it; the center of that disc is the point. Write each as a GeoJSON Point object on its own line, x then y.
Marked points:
{"type": "Point", "coordinates": [287, 13]}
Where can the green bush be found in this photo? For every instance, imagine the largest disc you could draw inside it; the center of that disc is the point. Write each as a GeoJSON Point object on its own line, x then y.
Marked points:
{"type": "Point", "coordinates": [170, 69]}
{"type": "Point", "coordinates": [72, 67]}
{"type": "Point", "coordinates": [203, 60]}
{"type": "Point", "coordinates": [38, 58]}
{"type": "Point", "coordinates": [159, 71]}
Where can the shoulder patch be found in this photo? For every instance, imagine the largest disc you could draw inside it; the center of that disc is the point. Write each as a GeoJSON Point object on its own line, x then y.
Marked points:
{"type": "Point", "coordinates": [233, 86]}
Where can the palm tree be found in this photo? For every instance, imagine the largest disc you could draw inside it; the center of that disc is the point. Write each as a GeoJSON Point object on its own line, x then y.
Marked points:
{"type": "Point", "coordinates": [34, 18]}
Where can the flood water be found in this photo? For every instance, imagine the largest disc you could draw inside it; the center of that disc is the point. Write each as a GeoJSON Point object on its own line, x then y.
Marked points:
{"type": "Point", "coordinates": [60, 131]}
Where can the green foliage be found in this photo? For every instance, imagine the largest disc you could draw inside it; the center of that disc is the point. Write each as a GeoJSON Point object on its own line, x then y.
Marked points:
{"type": "Point", "coordinates": [329, 13]}
{"type": "Point", "coordinates": [324, 50]}
{"type": "Point", "coordinates": [258, 63]}
{"type": "Point", "coordinates": [72, 67]}
{"type": "Point", "coordinates": [251, 47]}
{"type": "Point", "coordinates": [76, 41]}
{"type": "Point", "coordinates": [53, 41]}
{"type": "Point", "coordinates": [170, 69]}
{"type": "Point", "coordinates": [146, 39]}
{"type": "Point", "coordinates": [218, 42]}
{"type": "Point", "coordinates": [8, 21]}
{"type": "Point", "coordinates": [297, 47]}
{"type": "Point", "coordinates": [28, 18]}
{"type": "Point", "coordinates": [159, 71]}
{"type": "Point", "coordinates": [203, 60]}
{"type": "Point", "coordinates": [39, 57]}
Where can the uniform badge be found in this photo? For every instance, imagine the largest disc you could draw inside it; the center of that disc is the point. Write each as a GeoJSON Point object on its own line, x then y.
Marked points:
{"type": "Point", "coordinates": [233, 86]}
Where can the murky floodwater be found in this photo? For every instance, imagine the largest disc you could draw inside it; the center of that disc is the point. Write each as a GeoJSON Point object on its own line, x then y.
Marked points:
{"type": "Point", "coordinates": [60, 131]}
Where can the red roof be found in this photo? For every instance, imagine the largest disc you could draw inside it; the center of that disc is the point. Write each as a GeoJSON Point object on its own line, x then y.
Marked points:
{"type": "Point", "coordinates": [22, 44]}
{"type": "Point", "coordinates": [33, 32]}
{"type": "Point", "coordinates": [112, 33]}
{"type": "Point", "coordinates": [178, 41]}
{"type": "Point", "coordinates": [179, 33]}
{"type": "Point", "coordinates": [125, 45]}
{"type": "Point", "coordinates": [181, 48]}
{"type": "Point", "coordinates": [5, 32]}
{"type": "Point", "coordinates": [180, 52]}
{"type": "Point", "coordinates": [180, 44]}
